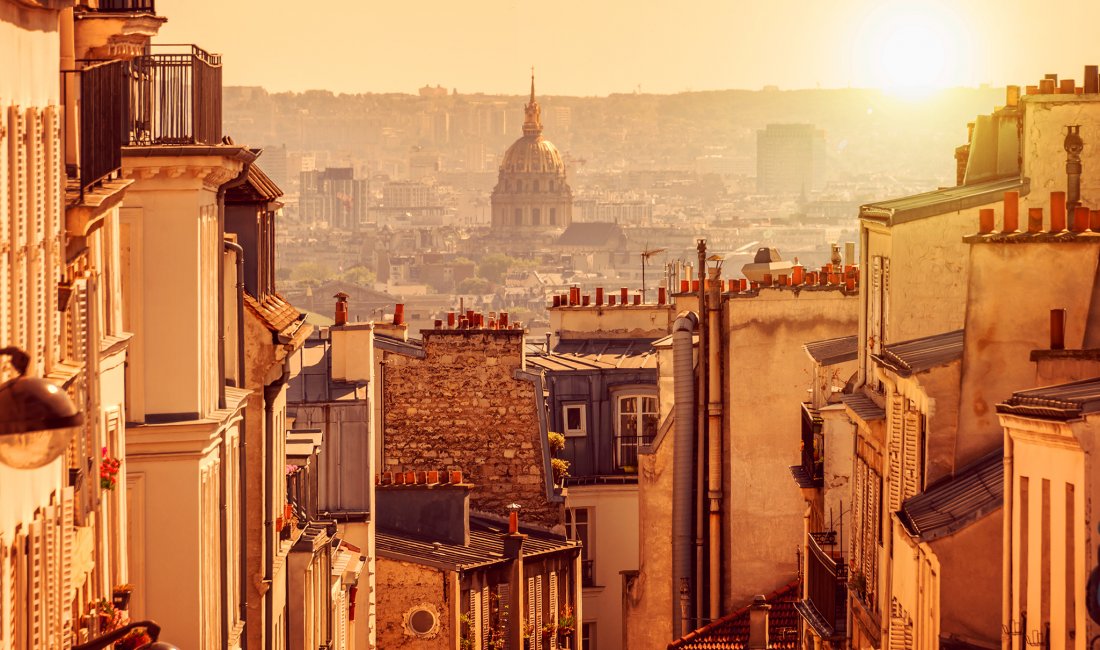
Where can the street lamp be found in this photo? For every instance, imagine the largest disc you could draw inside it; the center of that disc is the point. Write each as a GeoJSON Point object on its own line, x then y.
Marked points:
{"type": "Point", "coordinates": [151, 628]}
{"type": "Point", "coordinates": [37, 419]}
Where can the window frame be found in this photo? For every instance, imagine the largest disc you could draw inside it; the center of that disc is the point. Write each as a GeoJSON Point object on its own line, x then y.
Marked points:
{"type": "Point", "coordinates": [574, 433]}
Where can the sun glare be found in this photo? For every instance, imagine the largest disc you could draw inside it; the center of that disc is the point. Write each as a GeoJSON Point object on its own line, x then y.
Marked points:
{"type": "Point", "coordinates": [909, 50]}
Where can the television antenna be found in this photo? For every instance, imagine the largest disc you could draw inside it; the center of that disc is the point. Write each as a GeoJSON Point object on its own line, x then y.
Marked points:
{"type": "Point", "coordinates": [646, 254]}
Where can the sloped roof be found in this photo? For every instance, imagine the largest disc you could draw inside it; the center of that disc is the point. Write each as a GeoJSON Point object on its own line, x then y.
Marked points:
{"type": "Point", "coordinates": [486, 546]}
{"type": "Point", "coordinates": [731, 632]}
{"type": "Point", "coordinates": [828, 352]}
{"type": "Point", "coordinates": [943, 201]}
{"type": "Point", "coordinates": [917, 355]}
{"type": "Point", "coordinates": [598, 354]}
{"type": "Point", "coordinates": [590, 234]}
{"type": "Point", "coordinates": [1061, 402]}
{"type": "Point", "coordinates": [953, 504]}
{"type": "Point", "coordinates": [274, 312]}
{"type": "Point", "coordinates": [863, 407]}
{"type": "Point", "coordinates": [410, 348]}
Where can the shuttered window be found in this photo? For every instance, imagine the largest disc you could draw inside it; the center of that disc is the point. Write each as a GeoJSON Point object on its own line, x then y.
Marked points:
{"type": "Point", "coordinates": [530, 622]}
{"type": "Point", "coordinates": [486, 621]}
{"type": "Point", "coordinates": [554, 608]}
{"type": "Point", "coordinates": [895, 446]}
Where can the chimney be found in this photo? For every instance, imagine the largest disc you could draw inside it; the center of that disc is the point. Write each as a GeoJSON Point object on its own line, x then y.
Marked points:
{"type": "Point", "coordinates": [599, 296]}
{"type": "Point", "coordinates": [1012, 212]}
{"type": "Point", "coordinates": [758, 624]}
{"type": "Point", "coordinates": [662, 296]}
{"type": "Point", "coordinates": [1034, 220]}
{"type": "Point", "coordinates": [1012, 96]}
{"type": "Point", "coordinates": [1092, 79]}
{"type": "Point", "coordinates": [399, 314]}
{"type": "Point", "coordinates": [341, 309]}
{"type": "Point", "coordinates": [1080, 219]}
{"type": "Point", "coordinates": [1057, 329]}
{"type": "Point", "coordinates": [1057, 211]}
{"type": "Point", "coordinates": [424, 509]}
{"type": "Point", "coordinates": [985, 221]}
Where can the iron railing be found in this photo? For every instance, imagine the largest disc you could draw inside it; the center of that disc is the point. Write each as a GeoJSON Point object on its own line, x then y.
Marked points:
{"type": "Point", "coordinates": [626, 451]}
{"type": "Point", "coordinates": [588, 573]}
{"type": "Point", "coordinates": [104, 112]}
{"type": "Point", "coordinates": [813, 446]}
{"type": "Point", "coordinates": [177, 98]}
{"type": "Point", "coordinates": [128, 6]}
{"type": "Point", "coordinates": [827, 581]}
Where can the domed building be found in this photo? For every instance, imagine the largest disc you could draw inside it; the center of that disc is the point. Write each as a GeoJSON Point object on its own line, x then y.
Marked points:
{"type": "Point", "coordinates": [532, 191]}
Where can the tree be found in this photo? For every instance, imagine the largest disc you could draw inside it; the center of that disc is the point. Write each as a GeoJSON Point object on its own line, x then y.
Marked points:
{"type": "Point", "coordinates": [359, 275]}
{"type": "Point", "coordinates": [494, 266]}
{"type": "Point", "coordinates": [312, 273]}
{"type": "Point", "coordinates": [473, 286]}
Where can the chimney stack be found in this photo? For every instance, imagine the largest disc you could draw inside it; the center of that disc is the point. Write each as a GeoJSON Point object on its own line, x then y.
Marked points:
{"type": "Point", "coordinates": [399, 314]}
{"type": "Point", "coordinates": [1057, 211]}
{"type": "Point", "coordinates": [341, 309]}
{"type": "Point", "coordinates": [1012, 212]}
{"type": "Point", "coordinates": [758, 624]}
{"type": "Point", "coordinates": [1092, 79]}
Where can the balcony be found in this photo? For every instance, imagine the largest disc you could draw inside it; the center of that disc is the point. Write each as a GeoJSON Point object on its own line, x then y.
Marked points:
{"type": "Point", "coordinates": [128, 6]}
{"type": "Point", "coordinates": [104, 91]}
{"type": "Point", "coordinates": [825, 604]}
{"type": "Point", "coordinates": [625, 450]}
{"type": "Point", "coordinates": [810, 473]}
{"type": "Point", "coordinates": [176, 97]}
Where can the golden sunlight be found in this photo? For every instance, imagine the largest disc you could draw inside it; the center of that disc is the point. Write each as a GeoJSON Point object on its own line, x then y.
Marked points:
{"type": "Point", "coordinates": [911, 51]}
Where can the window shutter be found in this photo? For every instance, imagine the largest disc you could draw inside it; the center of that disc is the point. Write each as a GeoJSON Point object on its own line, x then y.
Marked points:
{"type": "Point", "coordinates": [36, 244]}
{"type": "Point", "coordinates": [897, 434]}
{"type": "Point", "coordinates": [554, 608]}
{"type": "Point", "coordinates": [538, 612]}
{"type": "Point", "coordinates": [36, 602]}
{"type": "Point", "coordinates": [17, 169]}
{"type": "Point", "coordinates": [869, 518]}
{"type": "Point", "coordinates": [5, 604]}
{"type": "Point", "coordinates": [6, 243]}
{"type": "Point", "coordinates": [911, 479]}
{"type": "Point", "coordinates": [530, 606]}
{"type": "Point", "coordinates": [486, 622]}
{"type": "Point", "coordinates": [19, 591]}
{"type": "Point", "coordinates": [474, 616]}
{"type": "Point", "coordinates": [856, 524]}
{"type": "Point", "coordinates": [67, 539]}
{"type": "Point", "coordinates": [55, 191]}
{"type": "Point", "coordinates": [885, 300]}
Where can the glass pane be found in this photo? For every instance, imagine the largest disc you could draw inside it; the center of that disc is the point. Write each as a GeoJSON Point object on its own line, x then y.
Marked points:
{"type": "Point", "coordinates": [628, 425]}
{"type": "Point", "coordinates": [649, 426]}
{"type": "Point", "coordinates": [573, 418]}
{"type": "Point", "coordinates": [628, 405]}
{"type": "Point", "coordinates": [649, 405]}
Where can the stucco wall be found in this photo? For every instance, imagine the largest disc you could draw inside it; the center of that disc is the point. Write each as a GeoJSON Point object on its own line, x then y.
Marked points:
{"type": "Point", "coordinates": [1044, 158]}
{"type": "Point", "coordinates": [402, 586]}
{"type": "Point", "coordinates": [642, 321]}
{"type": "Point", "coordinates": [935, 393]}
{"type": "Point", "coordinates": [1000, 335]}
{"type": "Point", "coordinates": [970, 580]}
{"type": "Point", "coordinates": [462, 408]}
{"type": "Point", "coordinates": [766, 373]}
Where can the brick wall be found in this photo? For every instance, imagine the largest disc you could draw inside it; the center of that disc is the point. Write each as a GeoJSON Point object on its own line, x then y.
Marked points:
{"type": "Point", "coordinates": [461, 408]}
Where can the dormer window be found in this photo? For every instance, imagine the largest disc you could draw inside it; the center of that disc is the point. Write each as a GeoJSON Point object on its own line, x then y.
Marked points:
{"type": "Point", "coordinates": [574, 420]}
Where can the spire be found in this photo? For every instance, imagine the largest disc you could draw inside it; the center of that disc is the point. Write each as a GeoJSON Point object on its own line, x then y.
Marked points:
{"type": "Point", "coordinates": [532, 115]}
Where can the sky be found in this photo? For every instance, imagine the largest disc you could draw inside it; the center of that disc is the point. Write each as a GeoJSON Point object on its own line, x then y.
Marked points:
{"type": "Point", "coordinates": [598, 47]}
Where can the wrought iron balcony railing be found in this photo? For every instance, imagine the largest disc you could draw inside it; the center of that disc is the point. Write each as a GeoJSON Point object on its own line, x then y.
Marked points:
{"type": "Point", "coordinates": [104, 114]}
{"type": "Point", "coordinates": [626, 451]}
{"type": "Point", "coordinates": [825, 605]}
{"type": "Point", "coordinates": [177, 97]}
{"type": "Point", "coordinates": [128, 6]}
{"type": "Point", "coordinates": [810, 472]}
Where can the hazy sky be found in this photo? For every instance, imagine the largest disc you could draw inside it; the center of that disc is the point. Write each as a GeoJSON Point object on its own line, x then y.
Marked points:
{"type": "Point", "coordinates": [596, 47]}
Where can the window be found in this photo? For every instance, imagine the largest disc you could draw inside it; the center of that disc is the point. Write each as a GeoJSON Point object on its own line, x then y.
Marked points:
{"type": "Point", "coordinates": [534, 186]}
{"type": "Point", "coordinates": [519, 216]}
{"type": "Point", "coordinates": [574, 420]}
{"type": "Point", "coordinates": [636, 425]}
{"type": "Point", "coordinates": [578, 529]}
{"type": "Point", "coordinates": [553, 216]}
{"type": "Point", "coordinates": [588, 636]}
{"type": "Point", "coordinates": [536, 216]}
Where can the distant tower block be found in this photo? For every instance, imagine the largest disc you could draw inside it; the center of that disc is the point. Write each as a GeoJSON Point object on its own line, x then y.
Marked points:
{"type": "Point", "coordinates": [532, 190]}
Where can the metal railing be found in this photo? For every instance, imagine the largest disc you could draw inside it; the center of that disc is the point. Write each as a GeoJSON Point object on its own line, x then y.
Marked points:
{"type": "Point", "coordinates": [827, 580]}
{"type": "Point", "coordinates": [104, 113]}
{"type": "Point", "coordinates": [177, 97]}
{"type": "Point", "coordinates": [626, 451]}
{"type": "Point", "coordinates": [588, 573]}
{"type": "Point", "coordinates": [128, 6]}
{"type": "Point", "coordinates": [813, 446]}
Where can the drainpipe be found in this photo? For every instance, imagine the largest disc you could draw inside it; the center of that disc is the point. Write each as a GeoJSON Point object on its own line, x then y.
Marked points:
{"type": "Point", "coordinates": [714, 440]}
{"type": "Point", "coordinates": [700, 414]}
{"type": "Point", "coordinates": [271, 392]}
{"type": "Point", "coordinates": [1007, 583]}
{"type": "Point", "coordinates": [683, 452]}
{"type": "Point", "coordinates": [242, 446]}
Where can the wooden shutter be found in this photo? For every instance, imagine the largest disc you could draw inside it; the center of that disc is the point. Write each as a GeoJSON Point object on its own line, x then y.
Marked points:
{"type": "Point", "coordinates": [486, 621]}
{"type": "Point", "coordinates": [6, 240]}
{"type": "Point", "coordinates": [895, 446]}
{"type": "Point", "coordinates": [5, 580]}
{"type": "Point", "coordinates": [531, 607]}
{"type": "Point", "coordinates": [19, 591]}
{"type": "Point", "coordinates": [538, 612]}
{"type": "Point", "coordinates": [474, 616]}
{"type": "Point", "coordinates": [884, 327]}
{"type": "Point", "coordinates": [17, 170]}
{"type": "Point", "coordinates": [912, 452]}
{"type": "Point", "coordinates": [856, 524]}
{"type": "Point", "coordinates": [68, 533]}
{"type": "Point", "coordinates": [37, 583]}
{"type": "Point", "coordinates": [36, 245]}
{"type": "Point", "coordinates": [54, 175]}
{"type": "Point", "coordinates": [554, 608]}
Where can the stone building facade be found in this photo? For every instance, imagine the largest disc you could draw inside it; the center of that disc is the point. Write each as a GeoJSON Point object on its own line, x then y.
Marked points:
{"type": "Point", "coordinates": [462, 399]}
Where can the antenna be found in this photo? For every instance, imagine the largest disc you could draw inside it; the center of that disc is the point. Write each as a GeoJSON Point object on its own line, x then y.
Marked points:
{"type": "Point", "coordinates": [646, 254]}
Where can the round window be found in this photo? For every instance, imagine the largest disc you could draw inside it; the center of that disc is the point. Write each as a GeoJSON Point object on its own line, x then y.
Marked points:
{"type": "Point", "coordinates": [422, 621]}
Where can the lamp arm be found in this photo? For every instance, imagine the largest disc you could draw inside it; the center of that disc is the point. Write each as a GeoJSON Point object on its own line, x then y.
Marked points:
{"type": "Point", "coordinates": [107, 639]}
{"type": "Point", "coordinates": [19, 359]}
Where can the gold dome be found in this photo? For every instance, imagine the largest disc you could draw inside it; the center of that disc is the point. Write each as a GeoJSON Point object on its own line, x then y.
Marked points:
{"type": "Point", "coordinates": [533, 154]}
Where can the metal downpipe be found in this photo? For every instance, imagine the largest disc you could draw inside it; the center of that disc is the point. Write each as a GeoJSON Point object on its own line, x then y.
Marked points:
{"type": "Point", "coordinates": [683, 545]}
{"type": "Point", "coordinates": [714, 443]}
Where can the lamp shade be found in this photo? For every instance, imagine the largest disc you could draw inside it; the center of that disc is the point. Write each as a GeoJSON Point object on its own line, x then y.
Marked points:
{"type": "Point", "coordinates": [37, 421]}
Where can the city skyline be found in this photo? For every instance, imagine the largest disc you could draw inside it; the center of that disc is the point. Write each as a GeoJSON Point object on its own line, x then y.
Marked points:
{"type": "Point", "coordinates": [582, 49]}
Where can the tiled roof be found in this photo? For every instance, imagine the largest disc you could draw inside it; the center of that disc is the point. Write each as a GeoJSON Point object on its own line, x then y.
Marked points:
{"type": "Point", "coordinates": [833, 351]}
{"type": "Point", "coordinates": [590, 234]}
{"type": "Point", "coordinates": [913, 356]}
{"type": "Point", "coordinates": [275, 312]}
{"type": "Point", "coordinates": [863, 407]}
{"type": "Point", "coordinates": [950, 199]}
{"type": "Point", "coordinates": [731, 632]}
{"type": "Point", "coordinates": [953, 504]}
{"type": "Point", "coordinates": [486, 546]}
{"type": "Point", "coordinates": [598, 354]}
{"type": "Point", "coordinates": [1062, 402]}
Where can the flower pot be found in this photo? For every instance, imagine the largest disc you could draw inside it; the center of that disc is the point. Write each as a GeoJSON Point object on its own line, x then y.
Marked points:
{"type": "Point", "coordinates": [121, 599]}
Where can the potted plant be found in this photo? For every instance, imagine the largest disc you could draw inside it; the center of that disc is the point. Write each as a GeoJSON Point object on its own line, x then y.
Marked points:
{"type": "Point", "coordinates": [557, 442]}
{"type": "Point", "coordinates": [108, 471]}
{"type": "Point", "coordinates": [120, 596]}
{"type": "Point", "coordinates": [549, 629]}
{"type": "Point", "coordinates": [567, 624]}
{"type": "Point", "coordinates": [561, 470]}
{"type": "Point", "coordinates": [137, 638]}
{"type": "Point", "coordinates": [107, 615]}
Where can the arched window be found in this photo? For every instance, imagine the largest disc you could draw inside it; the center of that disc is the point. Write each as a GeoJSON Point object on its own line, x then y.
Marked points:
{"type": "Point", "coordinates": [534, 186]}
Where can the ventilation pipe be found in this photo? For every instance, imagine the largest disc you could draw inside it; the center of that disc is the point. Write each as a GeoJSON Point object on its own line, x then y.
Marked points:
{"type": "Point", "coordinates": [1073, 145]}
{"type": "Point", "coordinates": [683, 452]}
{"type": "Point", "coordinates": [714, 441]}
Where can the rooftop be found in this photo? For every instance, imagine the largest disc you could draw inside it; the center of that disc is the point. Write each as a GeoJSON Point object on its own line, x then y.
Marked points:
{"type": "Point", "coordinates": [1061, 402]}
{"type": "Point", "coordinates": [828, 352]}
{"type": "Point", "coordinates": [863, 407]}
{"type": "Point", "coordinates": [597, 354]}
{"type": "Point", "coordinates": [590, 234]}
{"type": "Point", "coordinates": [943, 201]}
{"type": "Point", "coordinates": [954, 503]}
{"type": "Point", "coordinates": [486, 546]}
{"type": "Point", "coordinates": [731, 632]}
{"type": "Point", "coordinates": [918, 355]}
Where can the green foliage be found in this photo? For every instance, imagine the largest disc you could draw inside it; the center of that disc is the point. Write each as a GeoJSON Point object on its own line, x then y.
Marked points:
{"type": "Point", "coordinates": [561, 469]}
{"type": "Point", "coordinates": [283, 273]}
{"type": "Point", "coordinates": [312, 273]}
{"type": "Point", "coordinates": [473, 286]}
{"type": "Point", "coordinates": [359, 275]}
{"type": "Point", "coordinates": [494, 266]}
{"type": "Point", "coordinates": [557, 441]}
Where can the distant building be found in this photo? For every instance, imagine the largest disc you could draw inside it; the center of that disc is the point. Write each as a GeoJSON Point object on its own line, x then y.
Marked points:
{"type": "Point", "coordinates": [532, 191]}
{"type": "Point", "coordinates": [790, 159]}
{"type": "Point", "coordinates": [334, 197]}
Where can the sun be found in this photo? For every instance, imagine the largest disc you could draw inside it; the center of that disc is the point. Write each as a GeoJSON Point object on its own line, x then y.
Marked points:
{"type": "Point", "coordinates": [910, 50]}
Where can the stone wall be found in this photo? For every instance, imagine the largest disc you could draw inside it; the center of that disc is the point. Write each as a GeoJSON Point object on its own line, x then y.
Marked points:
{"type": "Point", "coordinates": [462, 408]}
{"type": "Point", "coordinates": [402, 587]}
